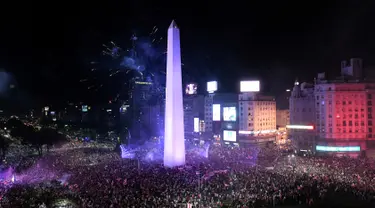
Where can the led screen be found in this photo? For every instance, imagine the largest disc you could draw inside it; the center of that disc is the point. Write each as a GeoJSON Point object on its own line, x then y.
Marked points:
{"type": "Point", "coordinates": [249, 86]}
{"type": "Point", "coordinates": [211, 86]}
{"type": "Point", "coordinates": [229, 136]}
{"type": "Point", "coordinates": [338, 149]}
{"type": "Point", "coordinates": [216, 112]}
{"type": "Point", "coordinates": [196, 124]}
{"type": "Point", "coordinates": [84, 108]}
{"type": "Point", "coordinates": [229, 113]}
{"type": "Point", "coordinates": [191, 89]}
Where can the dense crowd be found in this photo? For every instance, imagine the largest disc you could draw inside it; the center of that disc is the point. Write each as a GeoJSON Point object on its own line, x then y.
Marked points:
{"type": "Point", "coordinates": [93, 176]}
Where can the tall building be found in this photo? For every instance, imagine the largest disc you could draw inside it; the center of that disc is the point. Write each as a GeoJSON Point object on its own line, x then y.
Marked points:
{"type": "Point", "coordinates": [141, 111]}
{"type": "Point", "coordinates": [342, 117]}
{"type": "Point", "coordinates": [302, 116]}
{"type": "Point", "coordinates": [208, 112]}
{"type": "Point", "coordinates": [257, 117]}
{"type": "Point", "coordinates": [282, 118]}
{"type": "Point", "coordinates": [220, 112]}
{"type": "Point", "coordinates": [193, 112]}
{"type": "Point", "coordinates": [174, 134]}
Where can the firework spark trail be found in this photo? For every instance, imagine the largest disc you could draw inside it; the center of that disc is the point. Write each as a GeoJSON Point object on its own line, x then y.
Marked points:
{"type": "Point", "coordinates": [143, 60]}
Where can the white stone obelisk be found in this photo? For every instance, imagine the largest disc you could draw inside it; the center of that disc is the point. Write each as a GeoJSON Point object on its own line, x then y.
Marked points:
{"type": "Point", "coordinates": [174, 138]}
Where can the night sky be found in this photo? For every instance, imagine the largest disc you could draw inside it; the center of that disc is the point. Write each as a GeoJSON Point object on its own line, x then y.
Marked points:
{"type": "Point", "coordinates": [49, 49]}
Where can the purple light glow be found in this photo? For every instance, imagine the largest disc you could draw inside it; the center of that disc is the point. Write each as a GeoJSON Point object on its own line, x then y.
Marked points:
{"type": "Point", "coordinates": [125, 153]}
{"type": "Point", "coordinates": [174, 139]}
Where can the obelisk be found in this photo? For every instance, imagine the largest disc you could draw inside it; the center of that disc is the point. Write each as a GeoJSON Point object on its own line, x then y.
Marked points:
{"type": "Point", "coordinates": [174, 138]}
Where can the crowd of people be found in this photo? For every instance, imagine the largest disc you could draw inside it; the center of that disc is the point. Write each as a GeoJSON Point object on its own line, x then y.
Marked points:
{"type": "Point", "coordinates": [94, 176]}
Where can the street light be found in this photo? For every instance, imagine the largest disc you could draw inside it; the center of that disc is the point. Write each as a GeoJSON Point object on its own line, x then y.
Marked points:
{"type": "Point", "coordinates": [199, 180]}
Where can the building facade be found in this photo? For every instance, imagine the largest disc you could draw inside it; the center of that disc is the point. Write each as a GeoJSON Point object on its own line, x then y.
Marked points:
{"type": "Point", "coordinates": [257, 118]}
{"type": "Point", "coordinates": [146, 113]}
{"type": "Point", "coordinates": [208, 112]}
{"type": "Point", "coordinates": [302, 116]}
{"type": "Point", "coordinates": [341, 113]}
{"type": "Point", "coordinates": [221, 115]}
{"type": "Point", "coordinates": [194, 107]}
{"type": "Point", "coordinates": [282, 118]}
{"type": "Point", "coordinates": [344, 113]}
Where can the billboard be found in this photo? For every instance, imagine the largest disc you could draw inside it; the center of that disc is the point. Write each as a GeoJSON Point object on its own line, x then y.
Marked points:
{"type": "Point", "coordinates": [196, 124]}
{"type": "Point", "coordinates": [249, 86]}
{"type": "Point", "coordinates": [300, 127]}
{"type": "Point", "coordinates": [338, 149]}
{"type": "Point", "coordinates": [216, 112]}
{"type": "Point", "coordinates": [229, 136]}
{"type": "Point", "coordinates": [191, 89]}
{"type": "Point", "coordinates": [229, 114]}
{"type": "Point", "coordinates": [211, 86]}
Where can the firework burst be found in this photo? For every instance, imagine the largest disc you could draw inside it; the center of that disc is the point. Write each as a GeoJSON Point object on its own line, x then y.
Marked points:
{"type": "Point", "coordinates": [143, 59]}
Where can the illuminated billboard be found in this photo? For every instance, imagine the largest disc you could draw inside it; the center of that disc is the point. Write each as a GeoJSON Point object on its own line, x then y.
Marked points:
{"type": "Point", "coordinates": [300, 127]}
{"type": "Point", "coordinates": [216, 112]}
{"type": "Point", "coordinates": [338, 149]}
{"type": "Point", "coordinates": [196, 124]}
{"type": "Point", "coordinates": [84, 108]}
{"type": "Point", "coordinates": [229, 136]}
{"type": "Point", "coordinates": [229, 113]}
{"type": "Point", "coordinates": [212, 86]}
{"type": "Point", "coordinates": [191, 89]}
{"type": "Point", "coordinates": [249, 86]}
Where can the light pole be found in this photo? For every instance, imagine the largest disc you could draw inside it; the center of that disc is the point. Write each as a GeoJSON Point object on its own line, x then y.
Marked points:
{"type": "Point", "coordinates": [199, 180]}
{"type": "Point", "coordinates": [199, 184]}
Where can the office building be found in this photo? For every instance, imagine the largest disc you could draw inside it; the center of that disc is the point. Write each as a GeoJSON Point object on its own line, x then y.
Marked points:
{"type": "Point", "coordinates": [282, 118]}
{"type": "Point", "coordinates": [193, 112]}
{"type": "Point", "coordinates": [343, 108]}
{"type": "Point", "coordinates": [257, 117]}
{"type": "Point", "coordinates": [302, 116]}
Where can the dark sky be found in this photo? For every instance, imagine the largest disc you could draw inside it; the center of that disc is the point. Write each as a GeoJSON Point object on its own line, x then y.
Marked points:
{"type": "Point", "coordinates": [48, 48]}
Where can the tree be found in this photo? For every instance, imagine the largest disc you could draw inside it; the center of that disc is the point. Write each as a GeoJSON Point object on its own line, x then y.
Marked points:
{"type": "Point", "coordinates": [50, 137]}
{"type": "Point", "coordinates": [14, 123]}
{"type": "Point", "coordinates": [28, 136]}
{"type": "Point", "coordinates": [4, 145]}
